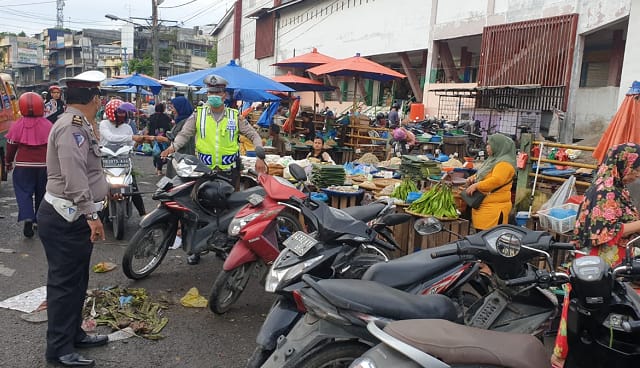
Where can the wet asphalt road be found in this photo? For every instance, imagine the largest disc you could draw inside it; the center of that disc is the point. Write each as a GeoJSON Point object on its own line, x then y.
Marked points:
{"type": "Point", "coordinates": [194, 337]}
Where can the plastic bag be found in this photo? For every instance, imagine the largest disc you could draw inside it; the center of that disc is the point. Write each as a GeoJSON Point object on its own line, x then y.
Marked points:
{"type": "Point", "coordinates": [560, 197]}
{"type": "Point", "coordinates": [193, 299]}
{"type": "Point", "coordinates": [156, 150]}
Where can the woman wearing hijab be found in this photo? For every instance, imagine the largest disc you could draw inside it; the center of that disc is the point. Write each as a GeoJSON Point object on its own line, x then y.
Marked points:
{"type": "Point", "coordinates": [26, 156]}
{"type": "Point", "coordinates": [493, 179]}
{"type": "Point", "coordinates": [183, 110]}
{"type": "Point", "coordinates": [607, 219]}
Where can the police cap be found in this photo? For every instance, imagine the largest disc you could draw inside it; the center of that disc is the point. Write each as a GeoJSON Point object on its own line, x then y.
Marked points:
{"type": "Point", "coordinates": [215, 83]}
{"type": "Point", "coordinates": [88, 79]}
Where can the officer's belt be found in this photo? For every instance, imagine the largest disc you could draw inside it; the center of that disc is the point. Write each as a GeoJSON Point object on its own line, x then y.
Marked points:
{"type": "Point", "coordinates": [67, 209]}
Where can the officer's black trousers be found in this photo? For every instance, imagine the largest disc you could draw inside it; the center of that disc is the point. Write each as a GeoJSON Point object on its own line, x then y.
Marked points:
{"type": "Point", "coordinates": [68, 248]}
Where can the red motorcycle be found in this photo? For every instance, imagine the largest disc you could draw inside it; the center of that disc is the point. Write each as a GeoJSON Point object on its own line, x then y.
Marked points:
{"type": "Point", "coordinates": [262, 225]}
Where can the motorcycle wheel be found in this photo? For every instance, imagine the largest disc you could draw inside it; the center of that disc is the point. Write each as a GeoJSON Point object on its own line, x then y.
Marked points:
{"type": "Point", "coordinates": [339, 355]}
{"type": "Point", "coordinates": [149, 246]}
{"type": "Point", "coordinates": [258, 357]}
{"type": "Point", "coordinates": [228, 287]}
{"type": "Point", "coordinates": [119, 219]}
{"type": "Point", "coordinates": [287, 225]}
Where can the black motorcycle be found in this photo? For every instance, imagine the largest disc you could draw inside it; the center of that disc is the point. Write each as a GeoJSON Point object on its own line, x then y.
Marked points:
{"type": "Point", "coordinates": [334, 328]}
{"type": "Point", "coordinates": [201, 201]}
{"type": "Point", "coordinates": [603, 326]}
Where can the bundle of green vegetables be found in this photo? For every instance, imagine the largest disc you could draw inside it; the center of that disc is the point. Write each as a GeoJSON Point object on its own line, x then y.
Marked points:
{"type": "Point", "coordinates": [402, 191]}
{"type": "Point", "coordinates": [437, 201]}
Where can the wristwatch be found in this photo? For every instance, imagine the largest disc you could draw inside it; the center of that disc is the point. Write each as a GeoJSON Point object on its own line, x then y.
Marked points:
{"type": "Point", "coordinates": [92, 216]}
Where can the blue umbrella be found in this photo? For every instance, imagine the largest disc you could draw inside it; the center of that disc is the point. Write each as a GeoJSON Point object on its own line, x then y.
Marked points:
{"type": "Point", "coordinates": [134, 89]}
{"type": "Point", "coordinates": [248, 95]}
{"type": "Point", "coordinates": [237, 76]}
{"type": "Point", "coordinates": [137, 80]}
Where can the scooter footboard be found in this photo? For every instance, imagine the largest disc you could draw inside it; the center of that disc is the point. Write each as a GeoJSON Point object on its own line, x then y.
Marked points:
{"type": "Point", "coordinates": [280, 320]}
{"type": "Point", "coordinates": [308, 335]}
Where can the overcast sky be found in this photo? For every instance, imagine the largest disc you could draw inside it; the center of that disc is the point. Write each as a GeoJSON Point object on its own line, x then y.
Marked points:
{"type": "Point", "coordinates": [33, 16]}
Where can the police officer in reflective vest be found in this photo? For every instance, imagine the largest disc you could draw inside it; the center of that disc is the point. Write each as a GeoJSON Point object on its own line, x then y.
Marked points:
{"type": "Point", "coordinates": [217, 129]}
{"type": "Point", "coordinates": [68, 219]}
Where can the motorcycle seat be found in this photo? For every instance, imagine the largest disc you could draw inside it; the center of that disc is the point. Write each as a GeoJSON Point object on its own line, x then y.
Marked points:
{"type": "Point", "coordinates": [412, 268]}
{"type": "Point", "coordinates": [467, 346]}
{"type": "Point", "coordinates": [364, 213]}
{"type": "Point", "coordinates": [380, 300]}
{"type": "Point", "coordinates": [237, 199]}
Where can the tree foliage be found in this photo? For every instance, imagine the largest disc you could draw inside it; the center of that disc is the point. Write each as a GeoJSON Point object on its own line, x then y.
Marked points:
{"type": "Point", "coordinates": [142, 66]}
{"type": "Point", "coordinates": [212, 55]}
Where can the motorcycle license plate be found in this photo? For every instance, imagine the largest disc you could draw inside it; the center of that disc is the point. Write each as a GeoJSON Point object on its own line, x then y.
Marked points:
{"type": "Point", "coordinates": [300, 243]}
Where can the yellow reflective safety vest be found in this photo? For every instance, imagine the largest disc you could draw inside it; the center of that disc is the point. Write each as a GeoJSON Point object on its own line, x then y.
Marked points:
{"type": "Point", "coordinates": [217, 143]}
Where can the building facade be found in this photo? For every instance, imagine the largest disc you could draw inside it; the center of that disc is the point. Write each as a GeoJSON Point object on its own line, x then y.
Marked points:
{"type": "Point", "coordinates": [462, 59]}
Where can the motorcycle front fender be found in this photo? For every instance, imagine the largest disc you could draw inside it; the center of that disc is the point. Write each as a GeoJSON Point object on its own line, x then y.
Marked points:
{"type": "Point", "coordinates": [308, 335]}
{"type": "Point", "coordinates": [384, 356]}
{"type": "Point", "coordinates": [160, 214]}
{"type": "Point", "coordinates": [281, 318]}
{"type": "Point", "coordinates": [240, 254]}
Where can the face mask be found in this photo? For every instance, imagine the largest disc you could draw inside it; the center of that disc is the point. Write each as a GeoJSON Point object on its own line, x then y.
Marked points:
{"type": "Point", "coordinates": [215, 101]}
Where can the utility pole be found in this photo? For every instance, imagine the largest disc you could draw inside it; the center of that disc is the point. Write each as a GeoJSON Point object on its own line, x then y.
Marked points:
{"type": "Point", "coordinates": [155, 38]}
{"type": "Point", "coordinates": [60, 14]}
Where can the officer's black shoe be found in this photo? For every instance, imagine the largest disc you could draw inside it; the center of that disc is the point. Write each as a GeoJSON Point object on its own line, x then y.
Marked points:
{"type": "Point", "coordinates": [28, 229]}
{"type": "Point", "coordinates": [193, 259]}
{"type": "Point", "coordinates": [72, 360]}
{"type": "Point", "coordinates": [90, 341]}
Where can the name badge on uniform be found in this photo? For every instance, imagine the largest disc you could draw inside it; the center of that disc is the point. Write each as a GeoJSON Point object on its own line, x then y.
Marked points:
{"type": "Point", "coordinates": [231, 127]}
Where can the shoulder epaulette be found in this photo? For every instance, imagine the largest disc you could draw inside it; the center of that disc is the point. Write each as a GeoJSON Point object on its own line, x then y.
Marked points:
{"type": "Point", "coordinates": [77, 120]}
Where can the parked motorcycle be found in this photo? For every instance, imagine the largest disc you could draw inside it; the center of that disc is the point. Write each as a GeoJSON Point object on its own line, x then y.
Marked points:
{"type": "Point", "coordinates": [117, 166]}
{"type": "Point", "coordinates": [202, 201]}
{"type": "Point", "coordinates": [333, 329]}
{"type": "Point", "coordinates": [343, 247]}
{"type": "Point", "coordinates": [603, 327]}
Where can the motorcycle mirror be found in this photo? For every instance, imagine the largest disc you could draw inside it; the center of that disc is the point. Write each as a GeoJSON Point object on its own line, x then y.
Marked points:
{"type": "Point", "coordinates": [428, 226]}
{"type": "Point", "coordinates": [297, 172]}
{"type": "Point", "coordinates": [508, 245]}
{"type": "Point", "coordinates": [260, 153]}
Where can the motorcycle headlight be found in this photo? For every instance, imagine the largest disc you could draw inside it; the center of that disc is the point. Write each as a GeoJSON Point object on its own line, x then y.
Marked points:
{"type": "Point", "coordinates": [185, 170]}
{"type": "Point", "coordinates": [117, 181]}
{"type": "Point", "coordinates": [237, 224]}
{"type": "Point", "coordinates": [277, 278]}
{"type": "Point", "coordinates": [363, 363]}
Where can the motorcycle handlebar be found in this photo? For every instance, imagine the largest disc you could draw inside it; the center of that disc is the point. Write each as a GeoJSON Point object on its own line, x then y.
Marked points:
{"type": "Point", "coordinates": [522, 280]}
{"type": "Point", "coordinates": [563, 246]}
{"type": "Point", "coordinates": [541, 276]}
{"type": "Point", "coordinates": [444, 253]}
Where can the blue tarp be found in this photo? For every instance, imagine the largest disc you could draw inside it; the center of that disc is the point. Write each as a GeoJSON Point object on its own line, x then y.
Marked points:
{"type": "Point", "coordinates": [267, 115]}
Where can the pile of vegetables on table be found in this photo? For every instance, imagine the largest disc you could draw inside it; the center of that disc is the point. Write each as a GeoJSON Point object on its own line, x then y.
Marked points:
{"type": "Point", "coordinates": [402, 191]}
{"type": "Point", "coordinates": [437, 201]}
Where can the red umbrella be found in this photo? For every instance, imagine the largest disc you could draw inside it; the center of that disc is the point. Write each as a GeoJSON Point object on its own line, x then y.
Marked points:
{"type": "Point", "coordinates": [358, 67]}
{"type": "Point", "coordinates": [625, 125]}
{"type": "Point", "coordinates": [301, 83]}
{"type": "Point", "coordinates": [304, 61]}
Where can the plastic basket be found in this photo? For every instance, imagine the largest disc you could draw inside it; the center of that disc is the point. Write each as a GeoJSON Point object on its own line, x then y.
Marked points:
{"type": "Point", "coordinates": [555, 224]}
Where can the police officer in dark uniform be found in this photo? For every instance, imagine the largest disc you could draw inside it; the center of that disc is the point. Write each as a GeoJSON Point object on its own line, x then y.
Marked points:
{"type": "Point", "coordinates": [68, 219]}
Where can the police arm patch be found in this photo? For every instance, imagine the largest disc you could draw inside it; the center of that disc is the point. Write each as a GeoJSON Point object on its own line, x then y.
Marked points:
{"type": "Point", "coordinates": [79, 138]}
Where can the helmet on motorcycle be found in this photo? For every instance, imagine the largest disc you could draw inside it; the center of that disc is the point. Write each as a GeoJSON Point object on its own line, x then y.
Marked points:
{"type": "Point", "coordinates": [31, 104]}
{"type": "Point", "coordinates": [214, 194]}
{"type": "Point", "coordinates": [113, 111]}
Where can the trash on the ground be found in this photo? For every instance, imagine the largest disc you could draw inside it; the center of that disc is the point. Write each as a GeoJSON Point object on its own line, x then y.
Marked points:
{"type": "Point", "coordinates": [7, 250]}
{"type": "Point", "coordinates": [103, 267]}
{"type": "Point", "coordinates": [142, 315]}
{"type": "Point", "coordinates": [89, 325]}
{"type": "Point", "coordinates": [124, 300]}
{"type": "Point", "coordinates": [26, 302]}
{"type": "Point", "coordinates": [35, 317]}
{"type": "Point", "coordinates": [6, 271]}
{"type": "Point", "coordinates": [123, 334]}
{"type": "Point", "coordinates": [176, 243]}
{"type": "Point", "coordinates": [193, 299]}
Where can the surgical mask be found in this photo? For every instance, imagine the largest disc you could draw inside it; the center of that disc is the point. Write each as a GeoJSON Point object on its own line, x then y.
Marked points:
{"type": "Point", "coordinates": [215, 101]}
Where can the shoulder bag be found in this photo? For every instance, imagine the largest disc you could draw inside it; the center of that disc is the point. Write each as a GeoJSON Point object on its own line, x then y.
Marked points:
{"type": "Point", "coordinates": [475, 200]}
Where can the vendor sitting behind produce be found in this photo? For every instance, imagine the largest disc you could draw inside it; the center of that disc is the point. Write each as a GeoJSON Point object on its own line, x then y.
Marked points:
{"type": "Point", "coordinates": [318, 154]}
{"type": "Point", "coordinates": [308, 127]}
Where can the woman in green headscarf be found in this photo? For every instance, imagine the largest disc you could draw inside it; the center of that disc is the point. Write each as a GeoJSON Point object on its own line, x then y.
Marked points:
{"type": "Point", "coordinates": [494, 180]}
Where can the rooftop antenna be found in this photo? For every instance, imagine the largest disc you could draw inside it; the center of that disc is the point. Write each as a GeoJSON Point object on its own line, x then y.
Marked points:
{"type": "Point", "coordinates": [60, 14]}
